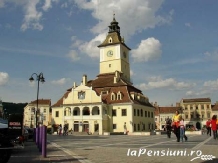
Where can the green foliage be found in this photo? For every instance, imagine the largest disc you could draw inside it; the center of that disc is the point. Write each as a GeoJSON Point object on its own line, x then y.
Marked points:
{"type": "Point", "coordinates": [11, 108]}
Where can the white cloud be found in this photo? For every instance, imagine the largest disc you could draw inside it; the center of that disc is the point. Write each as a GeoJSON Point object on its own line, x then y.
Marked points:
{"type": "Point", "coordinates": [64, 5]}
{"type": "Point", "coordinates": [73, 38]}
{"type": "Point", "coordinates": [212, 55]}
{"type": "Point", "coordinates": [32, 13]}
{"type": "Point", "coordinates": [2, 3]}
{"type": "Point", "coordinates": [170, 83]}
{"type": "Point", "coordinates": [3, 78]}
{"type": "Point", "coordinates": [134, 16]}
{"type": "Point", "coordinates": [213, 85]}
{"type": "Point", "coordinates": [190, 61]}
{"type": "Point", "coordinates": [32, 16]}
{"type": "Point", "coordinates": [73, 55]}
{"type": "Point", "coordinates": [198, 93]}
{"type": "Point", "coordinates": [188, 25]}
{"type": "Point", "coordinates": [47, 5]}
{"type": "Point", "coordinates": [149, 49]}
{"type": "Point", "coordinates": [90, 48]}
{"type": "Point", "coordinates": [131, 73]}
{"type": "Point", "coordinates": [61, 81]}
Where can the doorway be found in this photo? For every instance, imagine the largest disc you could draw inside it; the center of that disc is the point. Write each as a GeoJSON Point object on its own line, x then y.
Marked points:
{"type": "Point", "coordinates": [96, 127]}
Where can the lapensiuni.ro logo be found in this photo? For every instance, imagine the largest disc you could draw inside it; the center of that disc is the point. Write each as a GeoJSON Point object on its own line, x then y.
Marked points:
{"type": "Point", "coordinates": [194, 154]}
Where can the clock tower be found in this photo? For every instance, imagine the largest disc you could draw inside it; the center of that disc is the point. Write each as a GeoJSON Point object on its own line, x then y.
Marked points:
{"type": "Point", "coordinates": [114, 53]}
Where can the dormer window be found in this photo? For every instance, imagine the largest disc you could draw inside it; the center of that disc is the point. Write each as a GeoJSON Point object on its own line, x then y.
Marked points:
{"type": "Point", "coordinates": [113, 96]}
{"type": "Point", "coordinates": [110, 40]}
{"type": "Point", "coordinates": [119, 96]}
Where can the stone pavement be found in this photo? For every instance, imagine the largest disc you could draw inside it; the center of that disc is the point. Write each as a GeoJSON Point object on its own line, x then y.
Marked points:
{"type": "Point", "coordinates": [114, 149]}
{"type": "Point", "coordinates": [119, 149]}
{"type": "Point", "coordinates": [30, 154]}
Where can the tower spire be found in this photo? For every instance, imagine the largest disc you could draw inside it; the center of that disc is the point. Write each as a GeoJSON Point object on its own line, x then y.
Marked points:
{"type": "Point", "coordinates": [114, 27]}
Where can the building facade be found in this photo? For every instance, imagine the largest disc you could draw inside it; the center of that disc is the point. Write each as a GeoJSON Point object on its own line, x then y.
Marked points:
{"type": "Point", "coordinates": [196, 111]}
{"type": "Point", "coordinates": [215, 109]}
{"type": "Point", "coordinates": [162, 113]}
{"type": "Point", "coordinates": [44, 113]}
{"type": "Point", "coordinates": [109, 103]}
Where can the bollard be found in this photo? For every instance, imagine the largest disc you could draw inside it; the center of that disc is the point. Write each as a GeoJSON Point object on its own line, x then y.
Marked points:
{"type": "Point", "coordinates": [37, 139]}
{"type": "Point", "coordinates": [40, 138]}
{"type": "Point", "coordinates": [34, 135]}
{"type": "Point", "coordinates": [44, 142]}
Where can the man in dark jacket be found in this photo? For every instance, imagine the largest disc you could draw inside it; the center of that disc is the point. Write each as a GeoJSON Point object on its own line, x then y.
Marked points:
{"type": "Point", "coordinates": [168, 127]}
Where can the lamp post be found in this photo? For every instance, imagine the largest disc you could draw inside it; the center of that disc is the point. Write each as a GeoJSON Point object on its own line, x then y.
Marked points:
{"type": "Point", "coordinates": [39, 78]}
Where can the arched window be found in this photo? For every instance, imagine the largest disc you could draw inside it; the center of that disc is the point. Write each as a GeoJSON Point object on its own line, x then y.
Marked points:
{"type": "Point", "coordinates": [119, 96]}
{"type": "Point", "coordinates": [110, 40]}
{"type": "Point", "coordinates": [113, 96]}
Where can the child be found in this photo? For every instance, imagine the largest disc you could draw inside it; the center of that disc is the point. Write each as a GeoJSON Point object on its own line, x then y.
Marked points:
{"type": "Point", "coordinates": [60, 129]}
{"type": "Point", "coordinates": [182, 129]}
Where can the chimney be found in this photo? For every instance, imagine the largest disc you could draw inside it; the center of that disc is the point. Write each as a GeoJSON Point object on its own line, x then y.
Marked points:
{"type": "Point", "coordinates": [155, 104]}
{"type": "Point", "coordinates": [116, 77]}
{"type": "Point", "coordinates": [74, 84]}
{"type": "Point", "coordinates": [84, 79]}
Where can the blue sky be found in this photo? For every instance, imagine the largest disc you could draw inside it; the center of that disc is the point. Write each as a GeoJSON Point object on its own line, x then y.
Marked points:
{"type": "Point", "coordinates": [174, 46]}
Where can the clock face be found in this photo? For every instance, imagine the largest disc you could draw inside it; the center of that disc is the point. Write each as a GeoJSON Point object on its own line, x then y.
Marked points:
{"type": "Point", "coordinates": [110, 53]}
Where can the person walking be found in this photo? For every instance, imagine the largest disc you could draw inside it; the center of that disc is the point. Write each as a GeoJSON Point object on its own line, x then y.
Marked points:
{"type": "Point", "coordinates": [182, 129]}
{"type": "Point", "coordinates": [60, 129]}
{"type": "Point", "coordinates": [65, 130]}
{"type": "Point", "coordinates": [208, 123]}
{"type": "Point", "coordinates": [168, 127]}
{"type": "Point", "coordinates": [214, 126]}
{"type": "Point", "coordinates": [175, 125]}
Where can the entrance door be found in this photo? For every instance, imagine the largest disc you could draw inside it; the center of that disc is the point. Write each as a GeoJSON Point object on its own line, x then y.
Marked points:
{"type": "Point", "coordinates": [96, 127]}
{"type": "Point", "coordinates": [85, 128]}
{"type": "Point", "coordinates": [76, 127]}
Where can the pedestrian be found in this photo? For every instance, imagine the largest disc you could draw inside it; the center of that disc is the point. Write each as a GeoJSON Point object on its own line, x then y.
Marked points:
{"type": "Point", "coordinates": [125, 128]}
{"type": "Point", "coordinates": [60, 129]}
{"type": "Point", "coordinates": [214, 126]}
{"type": "Point", "coordinates": [65, 130]}
{"type": "Point", "coordinates": [182, 129]}
{"type": "Point", "coordinates": [208, 126]}
{"type": "Point", "coordinates": [175, 125]}
{"type": "Point", "coordinates": [168, 127]}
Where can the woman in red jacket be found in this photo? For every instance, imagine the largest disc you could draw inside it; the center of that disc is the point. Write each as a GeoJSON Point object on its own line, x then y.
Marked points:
{"type": "Point", "coordinates": [214, 126]}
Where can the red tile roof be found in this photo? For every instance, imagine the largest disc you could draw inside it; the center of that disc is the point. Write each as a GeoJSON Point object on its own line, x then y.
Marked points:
{"type": "Point", "coordinates": [41, 102]}
{"type": "Point", "coordinates": [214, 107]}
{"type": "Point", "coordinates": [196, 100]}
{"type": "Point", "coordinates": [105, 82]}
{"type": "Point", "coordinates": [165, 110]}
{"type": "Point", "coordinates": [60, 101]}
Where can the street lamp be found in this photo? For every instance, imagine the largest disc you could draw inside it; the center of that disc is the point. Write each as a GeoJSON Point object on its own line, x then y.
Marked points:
{"type": "Point", "coordinates": [39, 78]}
